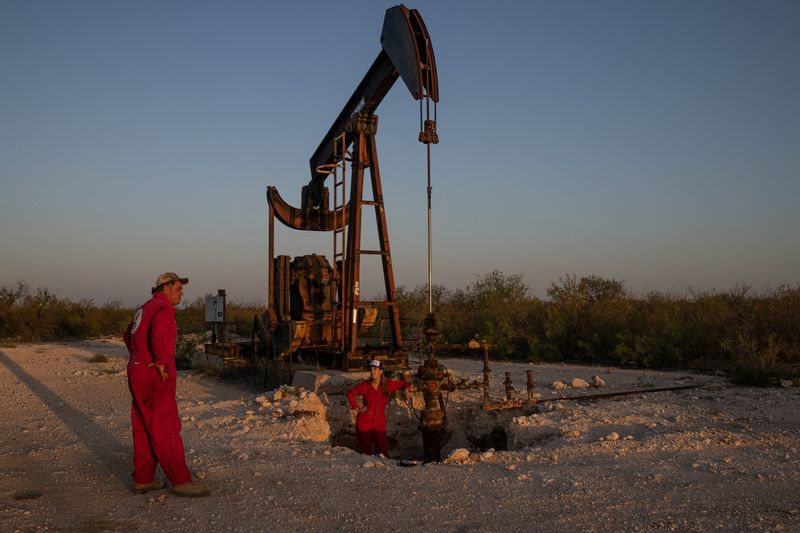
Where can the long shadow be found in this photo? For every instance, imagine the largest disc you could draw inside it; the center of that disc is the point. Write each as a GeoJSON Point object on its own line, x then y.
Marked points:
{"type": "Point", "coordinates": [108, 449]}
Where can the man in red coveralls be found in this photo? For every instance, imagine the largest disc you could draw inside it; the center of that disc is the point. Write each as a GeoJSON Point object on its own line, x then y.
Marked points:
{"type": "Point", "coordinates": [150, 339]}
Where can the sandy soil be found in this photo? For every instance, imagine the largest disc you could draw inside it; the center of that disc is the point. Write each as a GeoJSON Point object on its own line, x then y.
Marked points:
{"type": "Point", "coordinates": [711, 458]}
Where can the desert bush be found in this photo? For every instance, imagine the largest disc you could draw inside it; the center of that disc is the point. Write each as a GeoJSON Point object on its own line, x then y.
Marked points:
{"type": "Point", "coordinates": [755, 363]}
{"type": "Point", "coordinates": [585, 316]}
{"type": "Point", "coordinates": [413, 305]}
{"type": "Point", "coordinates": [185, 347]}
{"type": "Point", "coordinates": [241, 315]}
{"type": "Point", "coordinates": [30, 314]}
{"type": "Point", "coordinates": [651, 334]}
{"type": "Point", "coordinates": [38, 314]}
{"type": "Point", "coordinates": [110, 318]}
{"type": "Point", "coordinates": [190, 317]}
{"type": "Point", "coordinates": [495, 308]}
{"type": "Point", "coordinates": [99, 358]}
{"type": "Point", "coordinates": [778, 313]}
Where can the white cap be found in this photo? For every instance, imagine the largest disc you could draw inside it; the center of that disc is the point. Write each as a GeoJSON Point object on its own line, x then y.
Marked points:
{"type": "Point", "coordinates": [376, 364]}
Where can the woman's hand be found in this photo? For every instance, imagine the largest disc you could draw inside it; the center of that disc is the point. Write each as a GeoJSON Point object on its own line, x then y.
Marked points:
{"type": "Point", "coordinates": [362, 409]}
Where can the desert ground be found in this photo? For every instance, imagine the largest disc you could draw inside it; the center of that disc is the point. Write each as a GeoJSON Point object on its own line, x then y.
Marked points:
{"type": "Point", "coordinates": [716, 457]}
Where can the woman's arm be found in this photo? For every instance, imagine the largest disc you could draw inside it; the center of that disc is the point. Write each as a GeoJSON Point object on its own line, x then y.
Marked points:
{"type": "Point", "coordinates": [395, 385]}
{"type": "Point", "coordinates": [351, 396]}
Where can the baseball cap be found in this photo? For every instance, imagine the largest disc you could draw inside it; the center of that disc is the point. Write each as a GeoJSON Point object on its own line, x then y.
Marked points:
{"type": "Point", "coordinates": [376, 364]}
{"type": "Point", "coordinates": [168, 277]}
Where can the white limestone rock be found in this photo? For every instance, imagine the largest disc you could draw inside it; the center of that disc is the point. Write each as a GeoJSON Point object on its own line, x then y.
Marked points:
{"type": "Point", "coordinates": [459, 455]}
{"type": "Point", "coordinates": [579, 383]}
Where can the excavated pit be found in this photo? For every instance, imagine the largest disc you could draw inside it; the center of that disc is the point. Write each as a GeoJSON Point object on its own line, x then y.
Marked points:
{"type": "Point", "coordinates": [315, 408]}
{"type": "Point", "coordinates": [467, 427]}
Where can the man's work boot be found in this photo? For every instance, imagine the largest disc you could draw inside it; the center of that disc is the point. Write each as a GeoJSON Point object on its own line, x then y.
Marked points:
{"type": "Point", "coordinates": [142, 488]}
{"type": "Point", "coordinates": [191, 490]}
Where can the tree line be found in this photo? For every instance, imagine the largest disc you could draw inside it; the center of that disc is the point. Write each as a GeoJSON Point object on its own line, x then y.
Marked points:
{"type": "Point", "coordinates": [595, 320]}
{"type": "Point", "coordinates": [586, 319]}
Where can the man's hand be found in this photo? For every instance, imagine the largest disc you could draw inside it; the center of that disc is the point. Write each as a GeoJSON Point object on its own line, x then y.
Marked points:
{"type": "Point", "coordinates": [362, 409]}
{"type": "Point", "coordinates": [162, 370]}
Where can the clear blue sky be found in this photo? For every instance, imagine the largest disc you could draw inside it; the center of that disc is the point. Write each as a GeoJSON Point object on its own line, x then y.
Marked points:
{"type": "Point", "coordinates": [652, 142]}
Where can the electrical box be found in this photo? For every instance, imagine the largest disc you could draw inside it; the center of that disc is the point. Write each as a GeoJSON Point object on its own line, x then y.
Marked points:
{"type": "Point", "coordinates": [215, 308]}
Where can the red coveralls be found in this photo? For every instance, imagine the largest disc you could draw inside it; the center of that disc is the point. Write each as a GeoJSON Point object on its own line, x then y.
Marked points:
{"type": "Point", "coordinates": [371, 425]}
{"type": "Point", "coordinates": [150, 338]}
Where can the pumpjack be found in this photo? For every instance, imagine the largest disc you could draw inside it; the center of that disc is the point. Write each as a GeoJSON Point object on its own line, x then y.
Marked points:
{"type": "Point", "coordinates": [315, 307]}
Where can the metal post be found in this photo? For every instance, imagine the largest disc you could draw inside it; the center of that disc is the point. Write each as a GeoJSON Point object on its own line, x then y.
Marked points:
{"type": "Point", "coordinates": [530, 385]}
{"type": "Point", "coordinates": [222, 340]}
{"type": "Point", "coordinates": [271, 262]}
{"type": "Point", "coordinates": [486, 371]}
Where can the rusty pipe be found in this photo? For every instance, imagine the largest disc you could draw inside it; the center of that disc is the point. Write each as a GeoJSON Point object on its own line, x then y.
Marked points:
{"type": "Point", "coordinates": [516, 404]}
{"type": "Point", "coordinates": [509, 387]}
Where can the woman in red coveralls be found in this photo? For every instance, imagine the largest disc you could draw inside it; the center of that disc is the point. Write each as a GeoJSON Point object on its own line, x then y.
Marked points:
{"type": "Point", "coordinates": [375, 393]}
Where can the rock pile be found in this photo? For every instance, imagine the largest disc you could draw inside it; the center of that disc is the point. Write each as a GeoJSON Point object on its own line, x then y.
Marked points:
{"type": "Point", "coordinates": [578, 383]}
{"type": "Point", "coordinates": [300, 410]}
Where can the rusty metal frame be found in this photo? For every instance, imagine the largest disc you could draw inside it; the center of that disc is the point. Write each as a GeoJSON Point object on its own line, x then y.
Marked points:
{"type": "Point", "coordinates": [406, 53]}
{"type": "Point", "coordinates": [364, 127]}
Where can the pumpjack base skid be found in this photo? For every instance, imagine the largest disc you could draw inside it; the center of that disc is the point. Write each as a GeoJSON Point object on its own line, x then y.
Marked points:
{"type": "Point", "coordinates": [391, 361]}
{"type": "Point", "coordinates": [352, 363]}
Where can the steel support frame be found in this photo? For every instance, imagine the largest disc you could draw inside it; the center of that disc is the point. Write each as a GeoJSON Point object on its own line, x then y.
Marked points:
{"type": "Point", "coordinates": [365, 156]}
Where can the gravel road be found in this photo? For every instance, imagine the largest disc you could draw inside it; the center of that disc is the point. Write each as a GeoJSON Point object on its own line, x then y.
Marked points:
{"type": "Point", "coordinates": [713, 458]}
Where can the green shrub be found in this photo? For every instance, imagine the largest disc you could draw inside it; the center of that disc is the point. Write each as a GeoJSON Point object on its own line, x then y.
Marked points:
{"type": "Point", "coordinates": [185, 347]}
{"type": "Point", "coordinates": [99, 358]}
{"type": "Point", "coordinates": [34, 315]}
{"type": "Point", "coordinates": [754, 363]}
